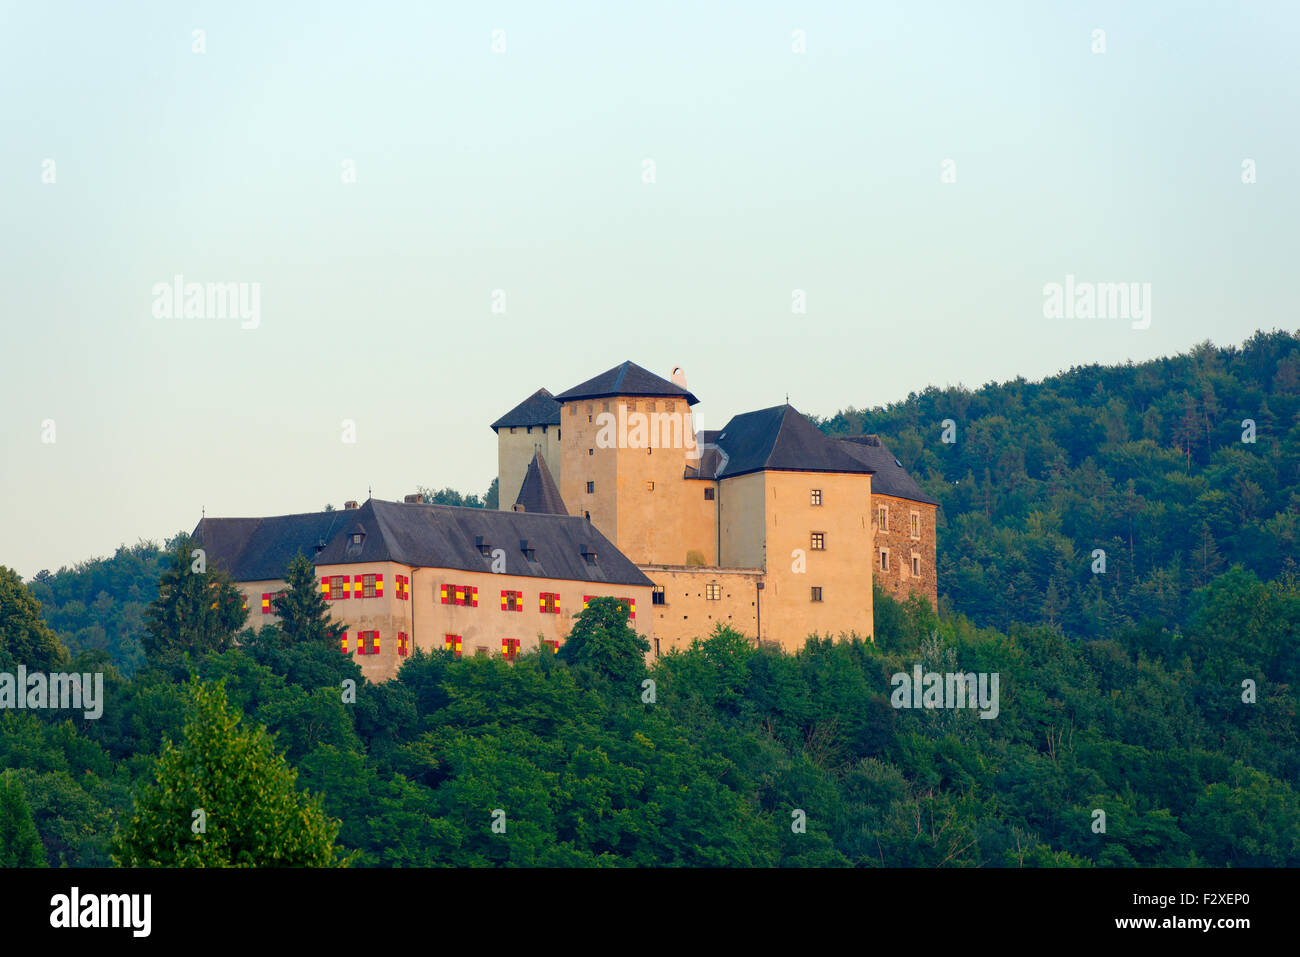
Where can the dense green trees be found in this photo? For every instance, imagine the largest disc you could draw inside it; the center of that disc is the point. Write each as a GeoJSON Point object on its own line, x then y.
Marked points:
{"type": "Point", "coordinates": [223, 798]}
{"type": "Point", "coordinates": [25, 638]}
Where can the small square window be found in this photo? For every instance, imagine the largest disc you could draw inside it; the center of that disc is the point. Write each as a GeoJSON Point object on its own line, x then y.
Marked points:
{"type": "Point", "coordinates": [708, 494]}
{"type": "Point", "coordinates": [649, 486]}
{"type": "Point", "coordinates": [818, 541]}
{"type": "Point", "coordinates": [816, 497]}
{"type": "Point", "coordinates": [657, 595]}
{"type": "Point", "coordinates": [713, 592]}
{"type": "Point", "coordinates": [816, 593]}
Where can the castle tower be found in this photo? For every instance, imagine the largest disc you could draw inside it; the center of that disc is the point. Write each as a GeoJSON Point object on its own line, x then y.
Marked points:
{"type": "Point", "coordinates": [628, 447]}
{"type": "Point", "coordinates": [530, 428]}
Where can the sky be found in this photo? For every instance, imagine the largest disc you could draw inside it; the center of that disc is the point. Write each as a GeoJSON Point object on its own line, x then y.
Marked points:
{"type": "Point", "coordinates": [442, 207]}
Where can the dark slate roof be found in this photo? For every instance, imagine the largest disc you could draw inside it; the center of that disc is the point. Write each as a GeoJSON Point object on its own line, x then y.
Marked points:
{"type": "Point", "coordinates": [538, 493]}
{"type": "Point", "coordinates": [258, 549]}
{"type": "Point", "coordinates": [778, 438]}
{"type": "Point", "coordinates": [430, 536]}
{"type": "Point", "coordinates": [626, 379]}
{"type": "Point", "coordinates": [890, 478]}
{"type": "Point", "coordinates": [540, 408]}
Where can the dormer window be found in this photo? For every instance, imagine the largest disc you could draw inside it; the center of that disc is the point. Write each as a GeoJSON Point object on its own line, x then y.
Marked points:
{"type": "Point", "coordinates": [357, 538]}
{"type": "Point", "coordinates": [589, 556]}
{"type": "Point", "coordinates": [483, 547]}
{"type": "Point", "coordinates": [529, 552]}
{"type": "Point", "coordinates": [357, 535]}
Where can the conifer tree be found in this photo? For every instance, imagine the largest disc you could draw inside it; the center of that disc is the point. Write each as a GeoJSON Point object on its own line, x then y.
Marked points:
{"type": "Point", "coordinates": [20, 844]}
{"type": "Point", "coordinates": [198, 609]}
{"type": "Point", "coordinates": [224, 798]}
{"type": "Point", "coordinates": [304, 613]}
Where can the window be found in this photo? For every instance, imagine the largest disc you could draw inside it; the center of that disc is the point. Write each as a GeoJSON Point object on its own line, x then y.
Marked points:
{"type": "Point", "coordinates": [480, 651]}
{"type": "Point", "coordinates": [668, 406]}
{"type": "Point", "coordinates": [713, 592]}
{"type": "Point", "coordinates": [916, 566]}
{"type": "Point", "coordinates": [815, 498]}
{"type": "Point", "coordinates": [367, 642]}
{"type": "Point", "coordinates": [345, 642]}
{"type": "Point", "coordinates": [356, 538]}
{"type": "Point", "coordinates": [657, 595]}
{"type": "Point", "coordinates": [510, 648]}
{"type": "Point", "coordinates": [266, 602]}
{"type": "Point", "coordinates": [651, 406]}
{"type": "Point", "coordinates": [573, 410]}
{"type": "Point", "coordinates": [916, 524]}
{"type": "Point", "coordinates": [884, 559]}
{"type": "Point", "coordinates": [708, 495]}
{"type": "Point", "coordinates": [368, 589]}
{"type": "Point", "coordinates": [459, 595]}
{"type": "Point", "coordinates": [818, 541]}
{"type": "Point", "coordinates": [553, 644]}
{"type": "Point", "coordinates": [335, 587]}
{"type": "Point", "coordinates": [816, 593]}
{"type": "Point", "coordinates": [453, 644]}
{"type": "Point", "coordinates": [591, 451]}
{"type": "Point", "coordinates": [590, 556]}
{"type": "Point", "coordinates": [512, 601]}
{"type": "Point", "coordinates": [512, 430]}
{"type": "Point", "coordinates": [403, 588]}
{"type": "Point", "coordinates": [591, 487]}
{"type": "Point", "coordinates": [403, 644]}
{"type": "Point", "coordinates": [882, 517]}
{"type": "Point", "coordinates": [649, 486]}
{"type": "Point", "coordinates": [550, 602]}
{"type": "Point", "coordinates": [245, 603]}
{"type": "Point", "coordinates": [528, 430]}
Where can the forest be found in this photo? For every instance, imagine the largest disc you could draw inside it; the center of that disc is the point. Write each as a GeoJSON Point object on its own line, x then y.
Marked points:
{"type": "Point", "coordinates": [1118, 544]}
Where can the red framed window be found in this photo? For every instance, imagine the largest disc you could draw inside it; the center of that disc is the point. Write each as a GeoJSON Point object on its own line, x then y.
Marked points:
{"type": "Point", "coordinates": [367, 642]}
{"type": "Point", "coordinates": [512, 601]}
{"type": "Point", "coordinates": [403, 644]}
{"type": "Point", "coordinates": [550, 602]}
{"type": "Point", "coordinates": [453, 644]}
{"type": "Point", "coordinates": [459, 595]}
{"type": "Point", "coordinates": [403, 587]}
{"type": "Point", "coordinates": [551, 643]}
{"type": "Point", "coordinates": [367, 586]}
{"type": "Point", "coordinates": [345, 642]}
{"type": "Point", "coordinates": [334, 587]}
{"type": "Point", "coordinates": [266, 602]}
{"type": "Point", "coordinates": [510, 648]}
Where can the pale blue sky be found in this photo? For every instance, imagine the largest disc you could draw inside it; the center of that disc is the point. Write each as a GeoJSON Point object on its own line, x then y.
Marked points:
{"type": "Point", "coordinates": [522, 171]}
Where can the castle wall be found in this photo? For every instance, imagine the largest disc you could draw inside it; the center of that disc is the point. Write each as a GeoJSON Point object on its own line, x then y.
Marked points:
{"type": "Point", "coordinates": [842, 569]}
{"type": "Point", "coordinates": [688, 612]}
{"type": "Point", "coordinates": [897, 536]}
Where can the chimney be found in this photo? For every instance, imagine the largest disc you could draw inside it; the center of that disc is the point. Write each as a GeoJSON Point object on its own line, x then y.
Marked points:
{"type": "Point", "coordinates": [416, 499]}
{"type": "Point", "coordinates": [351, 503]}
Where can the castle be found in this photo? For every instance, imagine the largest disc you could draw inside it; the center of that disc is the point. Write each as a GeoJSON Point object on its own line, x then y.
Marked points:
{"type": "Point", "coordinates": [606, 489]}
